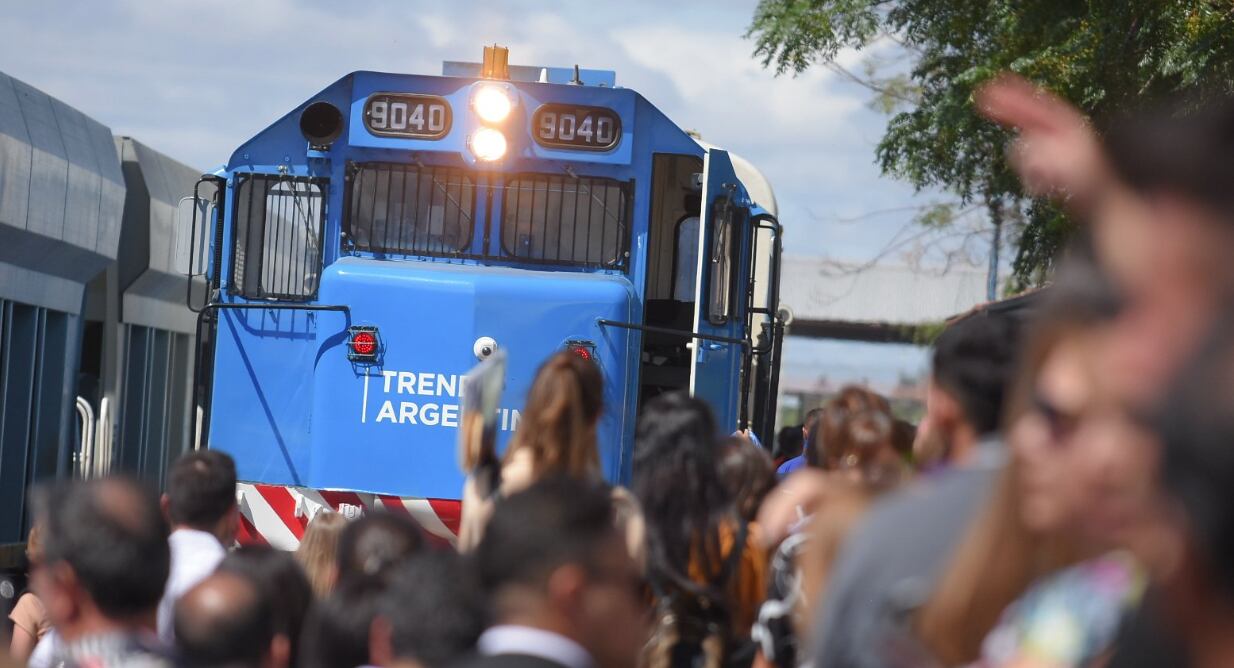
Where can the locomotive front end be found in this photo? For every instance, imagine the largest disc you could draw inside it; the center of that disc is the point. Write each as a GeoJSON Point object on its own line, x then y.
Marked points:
{"type": "Point", "coordinates": [372, 246]}
{"type": "Point", "coordinates": [414, 226]}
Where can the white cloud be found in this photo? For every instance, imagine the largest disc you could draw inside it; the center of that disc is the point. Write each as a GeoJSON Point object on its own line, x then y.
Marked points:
{"type": "Point", "coordinates": [195, 83]}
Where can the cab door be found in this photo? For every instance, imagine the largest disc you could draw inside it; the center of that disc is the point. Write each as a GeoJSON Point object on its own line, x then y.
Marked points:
{"type": "Point", "coordinates": [719, 301]}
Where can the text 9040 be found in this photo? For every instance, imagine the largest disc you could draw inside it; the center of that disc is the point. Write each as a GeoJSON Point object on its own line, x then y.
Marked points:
{"type": "Point", "coordinates": [411, 116]}
{"type": "Point", "coordinates": [575, 127]}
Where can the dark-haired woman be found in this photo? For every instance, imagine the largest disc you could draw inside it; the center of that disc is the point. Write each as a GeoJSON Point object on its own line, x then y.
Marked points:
{"type": "Point", "coordinates": [556, 437]}
{"type": "Point", "coordinates": [703, 560]}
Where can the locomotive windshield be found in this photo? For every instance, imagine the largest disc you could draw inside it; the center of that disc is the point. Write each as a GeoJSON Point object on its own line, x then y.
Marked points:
{"type": "Point", "coordinates": [566, 220]}
{"type": "Point", "coordinates": [412, 210]}
{"type": "Point", "coordinates": [544, 218]}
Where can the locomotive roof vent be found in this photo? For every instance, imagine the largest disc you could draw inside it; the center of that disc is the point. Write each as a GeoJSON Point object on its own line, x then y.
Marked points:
{"type": "Point", "coordinates": [321, 123]}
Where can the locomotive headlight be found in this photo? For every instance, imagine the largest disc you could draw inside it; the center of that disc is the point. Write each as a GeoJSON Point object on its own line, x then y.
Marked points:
{"type": "Point", "coordinates": [492, 103]}
{"type": "Point", "coordinates": [488, 144]}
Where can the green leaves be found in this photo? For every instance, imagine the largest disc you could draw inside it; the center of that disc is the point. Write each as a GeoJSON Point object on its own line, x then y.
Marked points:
{"type": "Point", "coordinates": [1107, 56]}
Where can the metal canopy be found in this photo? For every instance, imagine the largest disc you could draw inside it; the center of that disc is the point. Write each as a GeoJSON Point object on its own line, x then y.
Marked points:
{"type": "Point", "coordinates": [61, 197]}
{"type": "Point", "coordinates": [153, 289]}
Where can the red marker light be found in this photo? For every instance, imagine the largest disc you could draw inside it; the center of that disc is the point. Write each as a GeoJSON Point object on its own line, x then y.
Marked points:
{"type": "Point", "coordinates": [582, 352]}
{"type": "Point", "coordinates": [364, 343]}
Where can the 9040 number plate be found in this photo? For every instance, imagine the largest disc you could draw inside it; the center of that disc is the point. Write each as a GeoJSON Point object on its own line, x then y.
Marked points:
{"type": "Point", "coordinates": [575, 127]}
{"type": "Point", "coordinates": [408, 116]}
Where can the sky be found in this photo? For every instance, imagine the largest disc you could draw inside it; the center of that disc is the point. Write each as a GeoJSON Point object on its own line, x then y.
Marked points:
{"type": "Point", "coordinates": [194, 80]}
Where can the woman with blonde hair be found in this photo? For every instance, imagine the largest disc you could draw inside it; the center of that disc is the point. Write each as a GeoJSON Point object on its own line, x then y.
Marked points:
{"type": "Point", "coordinates": [556, 436]}
{"type": "Point", "coordinates": [318, 551]}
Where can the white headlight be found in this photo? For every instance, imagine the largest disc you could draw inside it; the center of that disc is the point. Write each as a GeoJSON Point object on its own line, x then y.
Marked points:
{"type": "Point", "coordinates": [488, 144]}
{"type": "Point", "coordinates": [492, 103]}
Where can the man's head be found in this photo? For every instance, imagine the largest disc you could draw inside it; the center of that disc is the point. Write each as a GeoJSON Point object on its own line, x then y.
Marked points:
{"type": "Point", "coordinates": [105, 556]}
{"type": "Point", "coordinates": [974, 359]}
{"type": "Point", "coordinates": [552, 558]}
{"type": "Point", "coordinates": [201, 494]}
{"type": "Point", "coordinates": [280, 580]}
{"type": "Point", "coordinates": [790, 442]}
{"type": "Point", "coordinates": [373, 544]}
{"type": "Point", "coordinates": [226, 621]}
{"type": "Point", "coordinates": [430, 614]}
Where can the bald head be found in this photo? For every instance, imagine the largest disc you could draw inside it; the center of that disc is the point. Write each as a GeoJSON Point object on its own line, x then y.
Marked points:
{"type": "Point", "coordinates": [110, 533]}
{"type": "Point", "coordinates": [223, 621]}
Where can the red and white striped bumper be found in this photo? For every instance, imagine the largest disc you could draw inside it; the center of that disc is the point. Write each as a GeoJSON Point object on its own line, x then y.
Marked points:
{"type": "Point", "coordinates": [276, 515]}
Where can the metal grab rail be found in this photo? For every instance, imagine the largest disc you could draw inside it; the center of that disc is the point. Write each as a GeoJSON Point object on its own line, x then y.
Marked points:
{"type": "Point", "coordinates": [673, 332]}
{"type": "Point", "coordinates": [102, 439]}
{"type": "Point", "coordinates": [195, 429]}
{"type": "Point", "coordinates": [85, 453]}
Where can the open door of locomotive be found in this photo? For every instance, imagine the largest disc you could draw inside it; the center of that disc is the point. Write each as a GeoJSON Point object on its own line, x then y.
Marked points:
{"type": "Point", "coordinates": [719, 305]}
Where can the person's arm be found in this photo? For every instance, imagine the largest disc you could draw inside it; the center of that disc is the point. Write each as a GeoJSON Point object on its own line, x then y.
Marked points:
{"type": "Point", "coordinates": [25, 627]}
{"type": "Point", "coordinates": [22, 645]}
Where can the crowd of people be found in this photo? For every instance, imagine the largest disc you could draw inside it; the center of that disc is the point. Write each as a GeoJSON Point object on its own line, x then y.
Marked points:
{"type": "Point", "coordinates": [1065, 500]}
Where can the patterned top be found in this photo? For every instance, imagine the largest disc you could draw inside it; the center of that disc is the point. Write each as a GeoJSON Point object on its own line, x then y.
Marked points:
{"type": "Point", "coordinates": [1069, 618]}
{"type": "Point", "coordinates": [113, 650]}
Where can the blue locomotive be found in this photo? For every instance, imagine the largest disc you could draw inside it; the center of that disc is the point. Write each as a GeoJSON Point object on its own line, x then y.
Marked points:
{"type": "Point", "coordinates": [366, 250]}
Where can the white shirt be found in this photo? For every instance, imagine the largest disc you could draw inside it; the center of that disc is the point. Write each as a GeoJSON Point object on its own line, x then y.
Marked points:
{"type": "Point", "coordinates": [687, 260]}
{"type": "Point", "coordinates": [510, 639]}
{"type": "Point", "coordinates": [194, 556]}
{"type": "Point", "coordinates": [45, 650]}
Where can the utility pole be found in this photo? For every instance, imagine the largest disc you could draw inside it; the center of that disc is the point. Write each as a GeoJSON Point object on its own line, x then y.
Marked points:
{"type": "Point", "coordinates": [996, 219]}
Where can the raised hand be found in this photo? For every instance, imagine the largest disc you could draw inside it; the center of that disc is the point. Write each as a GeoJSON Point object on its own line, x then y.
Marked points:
{"type": "Point", "coordinates": [1057, 153]}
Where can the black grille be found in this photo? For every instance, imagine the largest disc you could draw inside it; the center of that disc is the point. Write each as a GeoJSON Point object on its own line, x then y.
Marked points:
{"type": "Point", "coordinates": [566, 220]}
{"type": "Point", "coordinates": [277, 251]}
{"type": "Point", "coordinates": [410, 209]}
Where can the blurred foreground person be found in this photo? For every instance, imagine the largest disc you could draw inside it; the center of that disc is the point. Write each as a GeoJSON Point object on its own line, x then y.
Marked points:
{"type": "Point", "coordinates": [29, 617]}
{"type": "Point", "coordinates": [370, 546]}
{"type": "Point", "coordinates": [200, 503]}
{"type": "Point", "coordinates": [430, 615]}
{"type": "Point", "coordinates": [562, 588]}
{"type": "Point", "coordinates": [889, 563]}
{"type": "Point", "coordinates": [226, 622]}
{"type": "Point", "coordinates": [747, 474]}
{"type": "Point", "coordinates": [1155, 190]}
{"type": "Point", "coordinates": [556, 437]}
{"type": "Point", "coordinates": [281, 582]}
{"type": "Point", "coordinates": [1029, 585]}
{"type": "Point", "coordinates": [705, 564]}
{"type": "Point", "coordinates": [318, 551]}
{"type": "Point", "coordinates": [1196, 424]}
{"type": "Point", "coordinates": [1156, 194]}
{"type": "Point", "coordinates": [971, 363]}
{"type": "Point", "coordinates": [105, 563]}
{"type": "Point", "coordinates": [336, 631]}
{"type": "Point", "coordinates": [860, 435]}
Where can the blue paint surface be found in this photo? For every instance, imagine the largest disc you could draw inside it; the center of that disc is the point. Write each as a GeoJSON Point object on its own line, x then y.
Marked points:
{"type": "Point", "coordinates": [292, 409]}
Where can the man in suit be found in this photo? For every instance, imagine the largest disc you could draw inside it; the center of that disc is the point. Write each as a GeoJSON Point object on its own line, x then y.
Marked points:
{"type": "Point", "coordinates": [562, 587]}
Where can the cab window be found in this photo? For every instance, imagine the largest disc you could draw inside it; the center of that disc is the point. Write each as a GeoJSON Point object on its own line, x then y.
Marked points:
{"type": "Point", "coordinates": [410, 209]}
{"type": "Point", "coordinates": [277, 250]}
{"type": "Point", "coordinates": [566, 220]}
